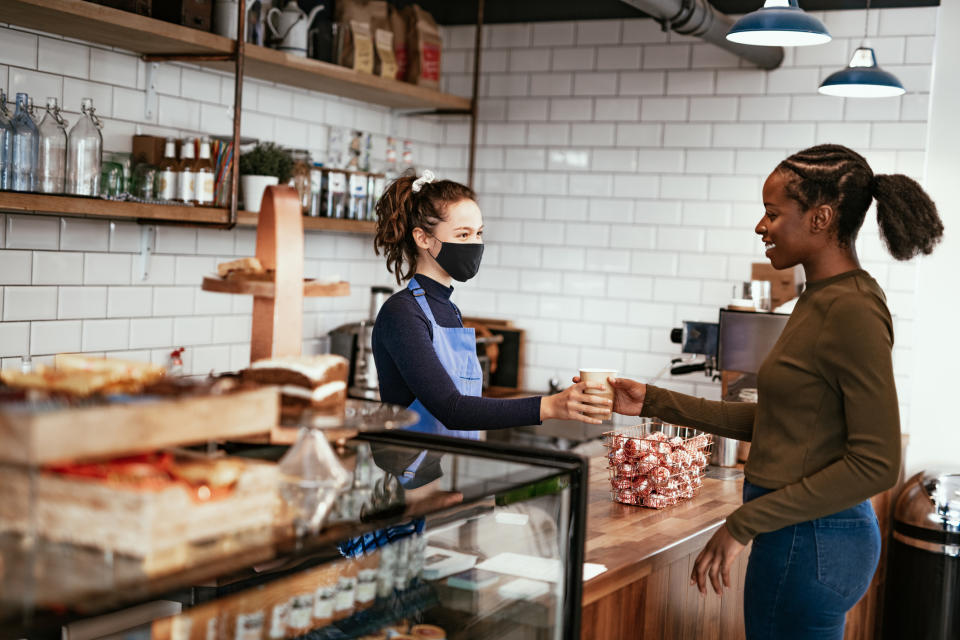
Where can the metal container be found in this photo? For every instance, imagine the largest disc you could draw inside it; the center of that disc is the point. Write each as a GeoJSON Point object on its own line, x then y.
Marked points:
{"type": "Point", "coordinates": [923, 575]}
{"type": "Point", "coordinates": [724, 452]}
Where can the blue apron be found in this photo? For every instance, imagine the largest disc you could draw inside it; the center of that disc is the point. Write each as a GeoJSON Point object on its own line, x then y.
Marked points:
{"type": "Point", "coordinates": [457, 349]}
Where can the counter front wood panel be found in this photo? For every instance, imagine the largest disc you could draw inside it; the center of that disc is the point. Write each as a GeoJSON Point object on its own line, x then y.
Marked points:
{"type": "Point", "coordinates": [645, 594]}
{"type": "Point", "coordinates": [634, 541]}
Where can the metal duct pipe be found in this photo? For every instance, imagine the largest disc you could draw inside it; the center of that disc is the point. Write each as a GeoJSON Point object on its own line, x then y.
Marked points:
{"type": "Point", "coordinates": [699, 18]}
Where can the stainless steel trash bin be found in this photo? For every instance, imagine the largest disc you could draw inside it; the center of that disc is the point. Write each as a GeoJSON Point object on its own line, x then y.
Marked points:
{"type": "Point", "coordinates": [923, 575]}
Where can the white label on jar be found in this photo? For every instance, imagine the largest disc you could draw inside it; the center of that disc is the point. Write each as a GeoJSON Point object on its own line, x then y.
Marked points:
{"type": "Point", "coordinates": [250, 626]}
{"type": "Point", "coordinates": [278, 621]}
{"type": "Point", "coordinates": [346, 593]}
{"type": "Point", "coordinates": [324, 600]}
{"type": "Point", "coordinates": [186, 186]}
{"type": "Point", "coordinates": [204, 187]}
{"type": "Point", "coordinates": [180, 627]}
{"type": "Point", "coordinates": [337, 182]}
{"type": "Point", "coordinates": [167, 185]}
{"type": "Point", "coordinates": [366, 591]}
{"type": "Point", "coordinates": [301, 609]}
{"type": "Point", "coordinates": [211, 629]}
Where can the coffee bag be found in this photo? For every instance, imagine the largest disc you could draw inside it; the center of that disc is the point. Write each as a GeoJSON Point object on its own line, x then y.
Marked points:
{"type": "Point", "coordinates": [424, 45]}
{"type": "Point", "coordinates": [355, 48]}
{"type": "Point", "coordinates": [398, 25]}
{"type": "Point", "coordinates": [385, 65]}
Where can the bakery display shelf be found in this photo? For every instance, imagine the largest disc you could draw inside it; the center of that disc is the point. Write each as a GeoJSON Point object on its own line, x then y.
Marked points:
{"type": "Point", "coordinates": [58, 583]}
{"type": "Point", "coordinates": [82, 206]}
{"type": "Point", "coordinates": [266, 288]}
{"type": "Point", "coordinates": [104, 25]}
{"type": "Point", "coordinates": [37, 434]}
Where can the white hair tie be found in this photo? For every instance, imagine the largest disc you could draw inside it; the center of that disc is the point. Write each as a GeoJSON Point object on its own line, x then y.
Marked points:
{"type": "Point", "coordinates": [426, 178]}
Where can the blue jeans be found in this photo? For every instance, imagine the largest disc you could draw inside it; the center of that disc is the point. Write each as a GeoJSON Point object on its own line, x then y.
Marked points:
{"type": "Point", "coordinates": [801, 580]}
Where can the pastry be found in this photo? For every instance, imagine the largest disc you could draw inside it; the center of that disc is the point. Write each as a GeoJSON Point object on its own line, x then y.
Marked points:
{"type": "Point", "coordinates": [82, 376]}
{"type": "Point", "coordinates": [243, 266]}
{"type": "Point", "coordinates": [317, 383]}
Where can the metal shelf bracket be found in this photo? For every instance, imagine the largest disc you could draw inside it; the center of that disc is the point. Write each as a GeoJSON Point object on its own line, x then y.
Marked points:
{"type": "Point", "coordinates": [150, 100]}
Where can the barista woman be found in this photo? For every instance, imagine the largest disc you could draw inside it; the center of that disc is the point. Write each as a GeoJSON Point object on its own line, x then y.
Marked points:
{"type": "Point", "coordinates": [826, 430]}
{"type": "Point", "coordinates": [431, 233]}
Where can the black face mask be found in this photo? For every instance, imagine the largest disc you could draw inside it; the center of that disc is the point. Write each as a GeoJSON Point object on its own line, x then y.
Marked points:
{"type": "Point", "coordinates": [460, 260]}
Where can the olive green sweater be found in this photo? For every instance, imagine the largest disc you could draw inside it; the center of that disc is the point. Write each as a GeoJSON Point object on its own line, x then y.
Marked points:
{"type": "Point", "coordinates": [825, 432]}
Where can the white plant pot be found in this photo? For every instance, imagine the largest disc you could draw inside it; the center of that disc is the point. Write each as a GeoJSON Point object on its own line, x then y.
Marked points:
{"type": "Point", "coordinates": [253, 188]}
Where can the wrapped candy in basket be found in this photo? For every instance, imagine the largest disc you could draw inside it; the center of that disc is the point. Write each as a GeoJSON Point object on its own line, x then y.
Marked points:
{"type": "Point", "coordinates": [656, 464]}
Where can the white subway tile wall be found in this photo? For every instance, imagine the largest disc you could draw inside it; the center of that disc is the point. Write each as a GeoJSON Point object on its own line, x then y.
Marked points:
{"type": "Point", "coordinates": [69, 284]}
{"type": "Point", "coordinates": [656, 149]}
{"type": "Point", "coordinates": [619, 171]}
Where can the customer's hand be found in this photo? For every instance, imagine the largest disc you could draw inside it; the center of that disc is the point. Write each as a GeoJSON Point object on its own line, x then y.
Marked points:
{"type": "Point", "coordinates": [573, 403]}
{"type": "Point", "coordinates": [715, 560]}
{"type": "Point", "coordinates": [628, 396]}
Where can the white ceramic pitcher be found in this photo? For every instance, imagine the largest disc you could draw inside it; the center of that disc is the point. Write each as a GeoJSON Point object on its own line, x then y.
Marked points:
{"type": "Point", "coordinates": [291, 27]}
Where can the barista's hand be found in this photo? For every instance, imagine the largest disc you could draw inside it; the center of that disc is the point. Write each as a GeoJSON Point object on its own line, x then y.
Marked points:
{"type": "Point", "coordinates": [574, 404]}
{"type": "Point", "coordinates": [628, 395]}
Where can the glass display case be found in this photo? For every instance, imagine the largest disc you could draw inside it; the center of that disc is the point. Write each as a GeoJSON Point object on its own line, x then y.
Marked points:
{"type": "Point", "coordinates": [433, 538]}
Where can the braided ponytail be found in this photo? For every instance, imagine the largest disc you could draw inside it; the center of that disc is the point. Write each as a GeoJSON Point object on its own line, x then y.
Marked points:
{"type": "Point", "coordinates": [833, 174]}
{"type": "Point", "coordinates": [400, 210]}
{"type": "Point", "coordinates": [909, 224]}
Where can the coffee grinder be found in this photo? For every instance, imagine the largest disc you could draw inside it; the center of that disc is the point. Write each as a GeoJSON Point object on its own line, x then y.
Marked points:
{"type": "Point", "coordinates": [354, 342]}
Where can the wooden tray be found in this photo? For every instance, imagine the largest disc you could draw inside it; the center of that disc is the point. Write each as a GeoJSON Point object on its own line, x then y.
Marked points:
{"type": "Point", "coordinates": [265, 289]}
{"type": "Point", "coordinates": [167, 529]}
{"type": "Point", "coordinates": [36, 436]}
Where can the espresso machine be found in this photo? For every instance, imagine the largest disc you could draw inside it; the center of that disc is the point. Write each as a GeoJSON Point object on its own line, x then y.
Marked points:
{"type": "Point", "coordinates": [354, 342]}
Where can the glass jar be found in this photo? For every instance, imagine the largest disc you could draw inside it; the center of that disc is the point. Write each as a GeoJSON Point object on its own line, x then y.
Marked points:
{"type": "Point", "coordinates": [52, 157]}
{"type": "Point", "coordinates": [6, 142]}
{"type": "Point", "coordinates": [316, 184]}
{"type": "Point", "coordinates": [335, 195]}
{"type": "Point", "coordinates": [26, 141]}
{"type": "Point", "coordinates": [85, 153]}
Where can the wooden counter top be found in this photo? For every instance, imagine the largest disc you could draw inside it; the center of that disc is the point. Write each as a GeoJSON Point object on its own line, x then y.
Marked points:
{"type": "Point", "coordinates": [634, 541]}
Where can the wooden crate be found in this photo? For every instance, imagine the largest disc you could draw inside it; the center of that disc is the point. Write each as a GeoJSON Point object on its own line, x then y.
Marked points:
{"type": "Point", "coordinates": [37, 436]}
{"type": "Point", "coordinates": [167, 529]}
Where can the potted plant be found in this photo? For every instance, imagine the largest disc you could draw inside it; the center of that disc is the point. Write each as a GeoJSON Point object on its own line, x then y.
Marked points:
{"type": "Point", "coordinates": [266, 164]}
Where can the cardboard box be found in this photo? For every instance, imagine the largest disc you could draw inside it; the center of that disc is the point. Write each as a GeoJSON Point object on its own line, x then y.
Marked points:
{"type": "Point", "coordinates": [189, 13]}
{"type": "Point", "coordinates": [784, 283]}
{"type": "Point", "coordinates": [149, 149]}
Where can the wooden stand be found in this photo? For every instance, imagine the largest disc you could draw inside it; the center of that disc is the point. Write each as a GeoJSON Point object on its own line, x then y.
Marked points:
{"type": "Point", "coordinates": [277, 328]}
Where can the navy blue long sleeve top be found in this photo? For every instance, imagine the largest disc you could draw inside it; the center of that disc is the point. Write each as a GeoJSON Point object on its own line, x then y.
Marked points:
{"type": "Point", "coordinates": [409, 369]}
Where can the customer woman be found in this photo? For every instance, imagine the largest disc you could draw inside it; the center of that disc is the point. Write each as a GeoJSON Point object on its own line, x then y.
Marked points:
{"type": "Point", "coordinates": [431, 232]}
{"type": "Point", "coordinates": [826, 432]}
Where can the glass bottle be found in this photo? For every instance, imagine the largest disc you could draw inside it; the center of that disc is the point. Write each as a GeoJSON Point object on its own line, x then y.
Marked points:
{"type": "Point", "coordinates": [300, 178]}
{"type": "Point", "coordinates": [85, 152]}
{"type": "Point", "coordinates": [6, 142]}
{"type": "Point", "coordinates": [390, 166]}
{"type": "Point", "coordinates": [203, 175]}
{"type": "Point", "coordinates": [166, 187]}
{"type": "Point", "coordinates": [52, 158]}
{"type": "Point", "coordinates": [407, 166]}
{"type": "Point", "coordinates": [186, 180]}
{"type": "Point", "coordinates": [26, 140]}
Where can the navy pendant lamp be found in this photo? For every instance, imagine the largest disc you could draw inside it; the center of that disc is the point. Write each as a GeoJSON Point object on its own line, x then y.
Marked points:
{"type": "Point", "coordinates": [862, 78]}
{"type": "Point", "coordinates": [779, 23]}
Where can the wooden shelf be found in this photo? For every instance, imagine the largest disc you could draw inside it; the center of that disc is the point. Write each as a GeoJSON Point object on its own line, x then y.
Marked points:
{"type": "Point", "coordinates": [103, 25]}
{"type": "Point", "coordinates": [78, 206]}
{"type": "Point", "coordinates": [267, 288]}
